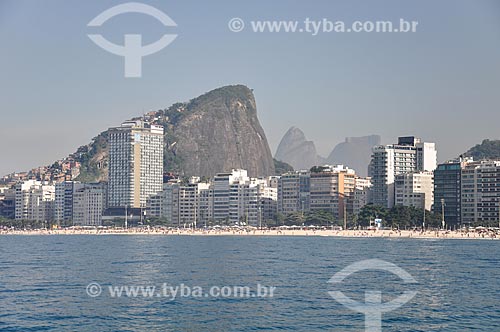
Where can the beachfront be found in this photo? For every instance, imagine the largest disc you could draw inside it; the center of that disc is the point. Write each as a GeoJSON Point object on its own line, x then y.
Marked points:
{"type": "Point", "coordinates": [417, 234]}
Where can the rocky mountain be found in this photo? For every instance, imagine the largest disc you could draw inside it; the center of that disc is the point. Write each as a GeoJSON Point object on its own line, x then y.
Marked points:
{"type": "Point", "coordinates": [297, 151]}
{"type": "Point", "coordinates": [212, 133]}
{"type": "Point", "coordinates": [488, 149]}
{"type": "Point", "coordinates": [281, 167]}
{"type": "Point", "coordinates": [355, 152]}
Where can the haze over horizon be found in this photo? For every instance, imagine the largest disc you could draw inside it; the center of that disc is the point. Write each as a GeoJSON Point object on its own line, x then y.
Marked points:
{"type": "Point", "coordinates": [440, 83]}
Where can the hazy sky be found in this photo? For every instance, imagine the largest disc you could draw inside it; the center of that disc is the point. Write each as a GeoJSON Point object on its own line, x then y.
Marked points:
{"type": "Point", "coordinates": [442, 83]}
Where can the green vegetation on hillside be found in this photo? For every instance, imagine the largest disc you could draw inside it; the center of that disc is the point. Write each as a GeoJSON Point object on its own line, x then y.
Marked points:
{"type": "Point", "coordinates": [93, 157]}
{"type": "Point", "coordinates": [90, 170]}
{"type": "Point", "coordinates": [232, 92]}
{"type": "Point", "coordinates": [488, 149]}
{"type": "Point", "coordinates": [281, 167]}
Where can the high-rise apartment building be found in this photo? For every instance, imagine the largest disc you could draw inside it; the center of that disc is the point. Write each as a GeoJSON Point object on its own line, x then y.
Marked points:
{"type": "Point", "coordinates": [232, 198]}
{"type": "Point", "coordinates": [170, 202]}
{"type": "Point", "coordinates": [362, 194]}
{"type": "Point", "coordinates": [35, 201]}
{"type": "Point", "coordinates": [293, 192]}
{"type": "Point", "coordinates": [89, 202]}
{"type": "Point", "coordinates": [407, 156]}
{"type": "Point", "coordinates": [415, 189]}
{"type": "Point", "coordinates": [187, 204]}
{"type": "Point", "coordinates": [135, 163]}
{"type": "Point", "coordinates": [332, 189]}
{"type": "Point", "coordinates": [221, 187]}
{"type": "Point", "coordinates": [63, 209]}
{"type": "Point", "coordinates": [8, 202]}
{"type": "Point", "coordinates": [447, 190]}
{"type": "Point", "coordinates": [154, 205]}
{"type": "Point", "coordinates": [268, 193]}
{"type": "Point", "coordinates": [480, 193]}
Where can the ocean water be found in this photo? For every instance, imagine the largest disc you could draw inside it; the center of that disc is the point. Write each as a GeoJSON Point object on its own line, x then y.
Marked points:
{"type": "Point", "coordinates": [43, 283]}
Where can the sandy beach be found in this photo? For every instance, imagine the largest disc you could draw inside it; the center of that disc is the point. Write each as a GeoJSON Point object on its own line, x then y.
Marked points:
{"type": "Point", "coordinates": [434, 234]}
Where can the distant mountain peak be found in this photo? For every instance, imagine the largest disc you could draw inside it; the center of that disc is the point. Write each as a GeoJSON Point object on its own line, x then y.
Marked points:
{"type": "Point", "coordinates": [355, 153]}
{"type": "Point", "coordinates": [297, 151]}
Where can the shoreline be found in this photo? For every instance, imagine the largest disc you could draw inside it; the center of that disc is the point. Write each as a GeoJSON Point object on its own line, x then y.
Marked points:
{"type": "Point", "coordinates": [266, 232]}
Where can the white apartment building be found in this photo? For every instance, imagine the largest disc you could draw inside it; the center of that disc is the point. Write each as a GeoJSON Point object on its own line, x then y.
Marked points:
{"type": "Point", "coordinates": [253, 201]}
{"type": "Point", "coordinates": [230, 198]}
{"type": "Point", "coordinates": [362, 194]}
{"type": "Point", "coordinates": [188, 204]}
{"type": "Point", "coordinates": [480, 192]}
{"type": "Point", "coordinates": [190, 209]}
{"type": "Point", "coordinates": [135, 163]}
{"type": "Point", "coordinates": [268, 194]}
{"type": "Point", "coordinates": [89, 202]}
{"type": "Point", "coordinates": [221, 187]}
{"type": "Point", "coordinates": [415, 189]}
{"type": "Point", "coordinates": [63, 209]}
{"type": "Point", "coordinates": [35, 201]}
{"type": "Point", "coordinates": [408, 155]}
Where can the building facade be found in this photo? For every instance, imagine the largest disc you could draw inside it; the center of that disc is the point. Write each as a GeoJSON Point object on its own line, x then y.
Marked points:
{"type": "Point", "coordinates": [293, 192]}
{"type": "Point", "coordinates": [135, 163]}
{"type": "Point", "coordinates": [221, 186]}
{"type": "Point", "coordinates": [89, 202]}
{"type": "Point", "coordinates": [35, 201]}
{"type": "Point", "coordinates": [415, 189]}
{"type": "Point", "coordinates": [447, 190]}
{"type": "Point", "coordinates": [407, 156]}
{"type": "Point", "coordinates": [362, 194]}
{"type": "Point", "coordinates": [480, 193]}
{"type": "Point", "coordinates": [8, 202]}
{"type": "Point", "coordinates": [63, 209]}
{"type": "Point", "coordinates": [230, 198]}
{"type": "Point", "coordinates": [332, 189]}
{"type": "Point", "coordinates": [188, 204]}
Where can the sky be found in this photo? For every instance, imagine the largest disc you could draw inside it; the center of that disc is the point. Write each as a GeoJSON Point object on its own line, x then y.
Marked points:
{"type": "Point", "coordinates": [441, 83]}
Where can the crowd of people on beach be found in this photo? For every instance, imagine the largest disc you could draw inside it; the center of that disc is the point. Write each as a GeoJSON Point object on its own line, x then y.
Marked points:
{"type": "Point", "coordinates": [472, 233]}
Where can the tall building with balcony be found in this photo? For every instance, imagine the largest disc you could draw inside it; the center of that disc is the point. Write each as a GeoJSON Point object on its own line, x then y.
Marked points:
{"type": "Point", "coordinates": [170, 202]}
{"type": "Point", "coordinates": [407, 156]}
{"type": "Point", "coordinates": [187, 204]}
{"type": "Point", "coordinates": [89, 202]}
{"type": "Point", "coordinates": [253, 201]}
{"type": "Point", "coordinates": [415, 189]}
{"type": "Point", "coordinates": [35, 201]}
{"type": "Point", "coordinates": [191, 211]}
{"type": "Point", "coordinates": [268, 193]}
{"type": "Point", "coordinates": [221, 186]}
{"type": "Point", "coordinates": [332, 189]}
{"type": "Point", "coordinates": [7, 202]}
{"type": "Point", "coordinates": [362, 194]}
{"type": "Point", "coordinates": [135, 163]}
{"type": "Point", "coordinates": [63, 209]}
{"type": "Point", "coordinates": [293, 192]}
{"type": "Point", "coordinates": [480, 193]}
